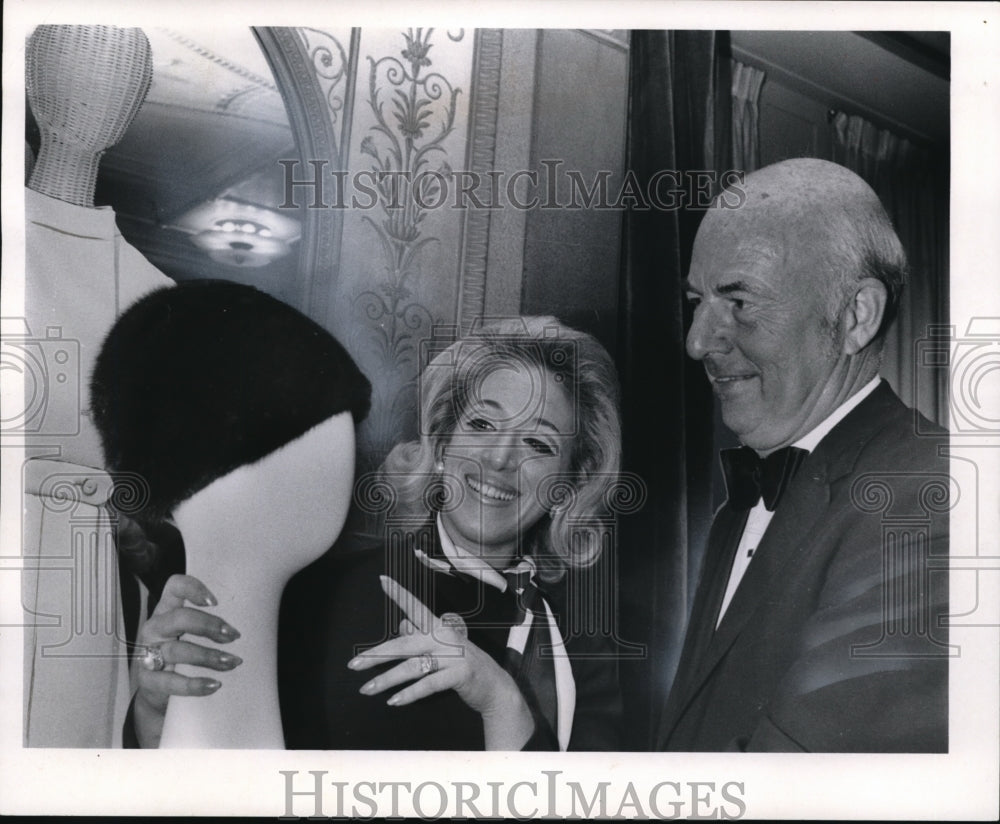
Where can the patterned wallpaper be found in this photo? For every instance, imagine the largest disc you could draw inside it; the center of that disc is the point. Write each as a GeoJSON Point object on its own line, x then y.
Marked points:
{"type": "Point", "coordinates": [398, 104]}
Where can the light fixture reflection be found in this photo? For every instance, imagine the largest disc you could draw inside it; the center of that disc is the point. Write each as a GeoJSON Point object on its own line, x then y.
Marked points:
{"type": "Point", "coordinates": [240, 234]}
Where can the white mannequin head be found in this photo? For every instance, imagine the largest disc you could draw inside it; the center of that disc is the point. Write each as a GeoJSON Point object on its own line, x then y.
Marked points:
{"type": "Point", "coordinates": [238, 412]}
{"type": "Point", "coordinates": [272, 517]}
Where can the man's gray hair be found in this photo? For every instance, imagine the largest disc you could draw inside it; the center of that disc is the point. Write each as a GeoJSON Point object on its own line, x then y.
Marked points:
{"type": "Point", "coordinates": [867, 246]}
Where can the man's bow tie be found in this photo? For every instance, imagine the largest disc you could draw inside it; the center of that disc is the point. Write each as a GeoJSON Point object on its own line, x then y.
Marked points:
{"type": "Point", "coordinates": [750, 477]}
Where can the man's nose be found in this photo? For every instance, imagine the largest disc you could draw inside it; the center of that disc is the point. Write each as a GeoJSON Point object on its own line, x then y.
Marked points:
{"type": "Point", "coordinates": [709, 332]}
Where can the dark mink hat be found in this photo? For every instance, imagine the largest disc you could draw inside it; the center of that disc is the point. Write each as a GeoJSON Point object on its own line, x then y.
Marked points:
{"type": "Point", "coordinates": [196, 380]}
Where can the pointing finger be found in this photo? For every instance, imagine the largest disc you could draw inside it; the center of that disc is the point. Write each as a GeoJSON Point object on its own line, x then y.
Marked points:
{"type": "Point", "coordinates": [413, 608]}
{"type": "Point", "coordinates": [403, 646]}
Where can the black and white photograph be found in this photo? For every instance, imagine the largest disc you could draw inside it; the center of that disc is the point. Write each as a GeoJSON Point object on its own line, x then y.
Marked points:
{"type": "Point", "coordinates": [477, 411]}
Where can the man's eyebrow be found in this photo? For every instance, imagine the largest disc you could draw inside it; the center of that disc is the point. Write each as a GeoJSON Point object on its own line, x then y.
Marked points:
{"type": "Point", "coordinates": [729, 288]}
{"type": "Point", "coordinates": [721, 289]}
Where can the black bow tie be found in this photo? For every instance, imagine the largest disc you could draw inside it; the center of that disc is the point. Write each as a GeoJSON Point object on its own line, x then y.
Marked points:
{"type": "Point", "coordinates": [750, 477]}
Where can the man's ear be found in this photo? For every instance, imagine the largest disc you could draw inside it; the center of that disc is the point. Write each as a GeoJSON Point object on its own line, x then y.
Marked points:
{"type": "Point", "coordinates": [863, 314]}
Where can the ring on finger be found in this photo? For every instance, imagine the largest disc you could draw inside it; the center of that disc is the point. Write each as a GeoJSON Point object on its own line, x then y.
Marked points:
{"type": "Point", "coordinates": [428, 664]}
{"type": "Point", "coordinates": [152, 658]}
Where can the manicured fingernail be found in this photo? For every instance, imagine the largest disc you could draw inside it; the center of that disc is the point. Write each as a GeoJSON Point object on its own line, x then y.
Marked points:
{"type": "Point", "coordinates": [212, 685]}
{"type": "Point", "coordinates": [230, 661]}
{"type": "Point", "coordinates": [229, 632]}
{"type": "Point", "coordinates": [354, 663]}
{"type": "Point", "coordinates": [209, 600]}
{"type": "Point", "coordinates": [393, 701]}
{"type": "Point", "coordinates": [368, 688]}
{"type": "Point", "coordinates": [384, 580]}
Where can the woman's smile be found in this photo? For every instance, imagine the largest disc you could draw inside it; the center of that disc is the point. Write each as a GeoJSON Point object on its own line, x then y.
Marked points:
{"type": "Point", "coordinates": [510, 441]}
{"type": "Point", "coordinates": [492, 493]}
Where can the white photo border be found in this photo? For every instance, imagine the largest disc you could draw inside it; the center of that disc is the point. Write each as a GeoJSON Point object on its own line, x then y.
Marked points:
{"type": "Point", "coordinates": [959, 785]}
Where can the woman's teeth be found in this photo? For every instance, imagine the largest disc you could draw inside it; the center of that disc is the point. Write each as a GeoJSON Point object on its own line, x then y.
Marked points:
{"type": "Point", "coordinates": [487, 490]}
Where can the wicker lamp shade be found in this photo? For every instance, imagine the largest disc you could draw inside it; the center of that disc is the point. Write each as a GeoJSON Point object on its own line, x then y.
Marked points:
{"type": "Point", "coordinates": [85, 85]}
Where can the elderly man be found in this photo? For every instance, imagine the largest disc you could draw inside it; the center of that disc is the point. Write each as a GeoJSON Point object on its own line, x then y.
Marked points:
{"type": "Point", "coordinates": [818, 621]}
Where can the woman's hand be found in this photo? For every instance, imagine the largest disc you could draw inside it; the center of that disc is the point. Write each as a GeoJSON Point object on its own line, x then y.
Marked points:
{"type": "Point", "coordinates": [440, 656]}
{"type": "Point", "coordinates": [159, 639]}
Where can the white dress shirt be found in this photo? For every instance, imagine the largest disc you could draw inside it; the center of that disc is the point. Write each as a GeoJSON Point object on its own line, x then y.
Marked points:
{"type": "Point", "coordinates": [759, 517]}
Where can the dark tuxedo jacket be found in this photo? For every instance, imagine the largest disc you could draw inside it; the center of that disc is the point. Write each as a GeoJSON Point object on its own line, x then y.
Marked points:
{"type": "Point", "coordinates": [834, 640]}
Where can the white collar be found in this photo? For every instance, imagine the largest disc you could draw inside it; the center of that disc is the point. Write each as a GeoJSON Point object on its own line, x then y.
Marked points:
{"type": "Point", "coordinates": [811, 440]}
{"type": "Point", "coordinates": [468, 562]}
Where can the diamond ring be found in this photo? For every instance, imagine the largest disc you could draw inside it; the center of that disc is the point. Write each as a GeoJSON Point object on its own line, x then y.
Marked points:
{"type": "Point", "coordinates": [152, 658]}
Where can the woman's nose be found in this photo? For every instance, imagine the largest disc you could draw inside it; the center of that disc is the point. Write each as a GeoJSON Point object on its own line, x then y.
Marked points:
{"type": "Point", "coordinates": [709, 332]}
{"type": "Point", "coordinates": [499, 453]}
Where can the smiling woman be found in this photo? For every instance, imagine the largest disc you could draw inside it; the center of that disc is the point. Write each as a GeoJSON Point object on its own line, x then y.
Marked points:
{"type": "Point", "coordinates": [528, 407]}
{"type": "Point", "coordinates": [510, 440]}
{"type": "Point", "coordinates": [465, 603]}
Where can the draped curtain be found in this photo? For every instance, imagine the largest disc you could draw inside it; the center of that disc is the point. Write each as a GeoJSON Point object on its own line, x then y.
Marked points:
{"type": "Point", "coordinates": [747, 83]}
{"type": "Point", "coordinates": [679, 119]}
{"type": "Point", "coordinates": [912, 183]}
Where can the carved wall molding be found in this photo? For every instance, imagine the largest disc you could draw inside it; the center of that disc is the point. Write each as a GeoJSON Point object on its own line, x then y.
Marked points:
{"type": "Point", "coordinates": [413, 110]}
{"type": "Point", "coordinates": [480, 159]}
{"type": "Point", "coordinates": [303, 64]}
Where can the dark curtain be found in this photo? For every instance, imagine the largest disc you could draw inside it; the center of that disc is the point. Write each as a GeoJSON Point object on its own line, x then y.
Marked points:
{"type": "Point", "coordinates": [679, 119]}
{"type": "Point", "coordinates": [913, 184]}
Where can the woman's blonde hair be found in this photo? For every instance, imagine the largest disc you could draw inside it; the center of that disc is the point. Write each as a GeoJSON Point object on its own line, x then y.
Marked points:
{"type": "Point", "coordinates": [569, 536]}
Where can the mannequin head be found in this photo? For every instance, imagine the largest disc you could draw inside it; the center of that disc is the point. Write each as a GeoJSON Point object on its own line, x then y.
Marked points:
{"type": "Point", "coordinates": [84, 85]}
{"type": "Point", "coordinates": [274, 516]}
{"type": "Point", "coordinates": [237, 413]}
{"type": "Point", "coordinates": [236, 410]}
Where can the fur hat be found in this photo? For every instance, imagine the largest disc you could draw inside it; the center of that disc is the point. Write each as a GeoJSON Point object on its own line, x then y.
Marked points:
{"type": "Point", "coordinates": [196, 380]}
